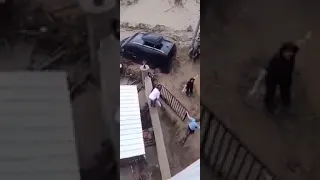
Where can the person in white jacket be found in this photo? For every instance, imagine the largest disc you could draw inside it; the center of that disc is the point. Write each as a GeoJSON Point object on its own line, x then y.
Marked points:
{"type": "Point", "coordinates": [155, 95]}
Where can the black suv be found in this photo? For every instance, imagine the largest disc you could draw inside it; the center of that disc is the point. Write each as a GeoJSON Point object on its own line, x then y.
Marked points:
{"type": "Point", "coordinates": [155, 49]}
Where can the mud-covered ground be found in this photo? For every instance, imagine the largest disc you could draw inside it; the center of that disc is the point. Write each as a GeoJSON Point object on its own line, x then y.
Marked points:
{"type": "Point", "coordinates": [157, 12]}
{"type": "Point", "coordinates": [179, 155]}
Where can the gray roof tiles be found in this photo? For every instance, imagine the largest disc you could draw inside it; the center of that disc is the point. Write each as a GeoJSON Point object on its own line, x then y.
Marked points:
{"type": "Point", "coordinates": [36, 127]}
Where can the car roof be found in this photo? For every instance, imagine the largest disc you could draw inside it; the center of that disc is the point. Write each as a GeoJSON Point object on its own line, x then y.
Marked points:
{"type": "Point", "coordinates": [153, 38]}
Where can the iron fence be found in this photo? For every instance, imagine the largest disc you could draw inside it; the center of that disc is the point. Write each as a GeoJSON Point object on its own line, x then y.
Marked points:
{"type": "Point", "coordinates": [224, 153]}
{"type": "Point", "coordinates": [174, 103]}
{"type": "Point", "coordinates": [170, 100]}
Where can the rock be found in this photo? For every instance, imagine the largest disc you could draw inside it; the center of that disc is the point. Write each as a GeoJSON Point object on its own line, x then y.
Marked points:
{"type": "Point", "coordinates": [128, 2]}
{"type": "Point", "coordinates": [189, 29]}
{"type": "Point", "coordinates": [158, 28]}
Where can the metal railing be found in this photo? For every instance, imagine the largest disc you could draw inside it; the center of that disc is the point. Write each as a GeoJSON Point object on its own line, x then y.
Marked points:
{"type": "Point", "coordinates": [170, 100]}
{"type": "Point", "coordinates": [225, 154]}
{"type": "Point", "coordinates": [174, 103]}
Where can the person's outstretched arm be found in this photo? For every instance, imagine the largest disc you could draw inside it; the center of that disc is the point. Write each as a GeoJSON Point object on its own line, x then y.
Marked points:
{"type": "Point", "coordinates": [257, 83]}
{"type": "Point", "coordinates": [189, 117]}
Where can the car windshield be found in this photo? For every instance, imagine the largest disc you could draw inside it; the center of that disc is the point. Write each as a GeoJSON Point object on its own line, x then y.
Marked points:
{"type": "Point", "coordinates": [123, 40]}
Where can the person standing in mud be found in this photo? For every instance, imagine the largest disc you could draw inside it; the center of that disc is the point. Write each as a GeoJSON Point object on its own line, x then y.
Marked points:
{"type": "Point", "coordinates": [192, 127]}
{"type": "Point", "coordinates": [189, 87]}
{"type": "Point", "coordinates": [278, 73]}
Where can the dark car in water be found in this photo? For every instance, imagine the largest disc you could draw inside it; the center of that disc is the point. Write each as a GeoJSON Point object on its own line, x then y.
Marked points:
{"type": "Point", "coordinates": [155, 49]}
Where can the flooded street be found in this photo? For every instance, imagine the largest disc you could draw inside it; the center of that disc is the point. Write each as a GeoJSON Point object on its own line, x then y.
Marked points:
{"type": "Point", "coordinates": [162, 12]}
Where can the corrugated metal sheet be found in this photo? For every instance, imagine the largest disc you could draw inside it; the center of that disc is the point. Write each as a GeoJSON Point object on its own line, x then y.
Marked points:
{"type": "Point", "coordinates": [36, 128]}
{"type": "Point", "coordinates": [192, 172]}
{"type": "Point", "coordinates": [131, 138]}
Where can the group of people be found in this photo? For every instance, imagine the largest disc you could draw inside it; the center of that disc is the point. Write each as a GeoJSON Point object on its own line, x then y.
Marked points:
{"type": "Point", "coordinates": [154, 97]}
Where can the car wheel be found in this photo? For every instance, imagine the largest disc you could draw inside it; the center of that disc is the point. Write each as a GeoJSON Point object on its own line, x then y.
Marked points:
{"type": "Point", "coordinates": [151, 66]}
{"type": "Point", "coordinates": [165, 70]}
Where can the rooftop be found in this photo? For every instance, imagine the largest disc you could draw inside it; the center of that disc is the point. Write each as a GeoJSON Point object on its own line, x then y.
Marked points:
{"type": "Point", "coordinates": [36, 136]}
{"type": "Point", "coordinates": [131, 136]}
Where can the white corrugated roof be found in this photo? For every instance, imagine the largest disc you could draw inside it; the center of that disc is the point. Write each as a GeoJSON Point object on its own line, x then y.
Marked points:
{"type": "Point", "coordinates": [192, 172]}
{"type": "Point", "coordinates": [131, 137]}
{"type": "Point", "coordinates": [36, 127]}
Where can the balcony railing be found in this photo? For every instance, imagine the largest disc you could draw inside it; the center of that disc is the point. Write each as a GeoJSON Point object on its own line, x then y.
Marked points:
{"type": "Point", "coordinates": [225, 154]}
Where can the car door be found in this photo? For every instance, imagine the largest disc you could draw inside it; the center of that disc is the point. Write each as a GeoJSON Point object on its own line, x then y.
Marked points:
{"type": "Point", "coordinates": [139, 54]}
{"type": "Point", "coordinates": [151, 56]}
{"type": "Point", "coordinates": [144, 54]}
{"type": "Point", "coordinates": [128, 52]}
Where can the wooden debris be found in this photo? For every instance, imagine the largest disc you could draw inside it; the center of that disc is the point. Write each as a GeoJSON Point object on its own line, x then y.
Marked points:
{"type": "Point", "coordinates": [46, 63]}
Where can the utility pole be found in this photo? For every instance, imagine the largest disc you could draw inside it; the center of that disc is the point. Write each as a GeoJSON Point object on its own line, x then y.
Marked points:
{"type": "Point", "coordinates": [195, 34]}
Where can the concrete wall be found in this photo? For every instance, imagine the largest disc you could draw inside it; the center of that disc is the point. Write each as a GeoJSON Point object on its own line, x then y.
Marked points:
{"type": "Point", "coordinates": [161, 149]}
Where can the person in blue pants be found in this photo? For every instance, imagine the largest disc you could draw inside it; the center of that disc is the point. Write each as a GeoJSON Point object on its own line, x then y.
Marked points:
{"type": "Point", "coordinates": [192, 126]}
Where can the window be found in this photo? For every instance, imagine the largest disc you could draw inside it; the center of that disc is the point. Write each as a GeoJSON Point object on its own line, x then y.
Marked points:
{"type": "Point", "coordinates": [157, 46]}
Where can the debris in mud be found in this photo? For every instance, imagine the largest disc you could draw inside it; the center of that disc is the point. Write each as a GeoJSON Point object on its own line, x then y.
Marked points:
{"type": "Point", "coordinates": [140, 26]}
{"type": "Point", "coordinates": [132, 73]}
{"type": "Point", "coordinates": [159, 27]}
{"type": "Point", "coordinates": [128, 2]}
{"type": "Point", "coordinates": [148, 137]}
{"type": "Point", "coordinates": [180, 37]}
{"type": "Point", "coordinates": [178, 3]}
{"type": "Point", "coordinates": [189, 29]}
{"type": "Point", "coordinates": [104, 164]}
{"type": "Point", "coordinates": [143, 27]}
{"type": "Point", "coordinates": [61, 43]}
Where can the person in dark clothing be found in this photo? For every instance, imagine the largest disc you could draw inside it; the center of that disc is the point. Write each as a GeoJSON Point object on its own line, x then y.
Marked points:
{"type": "Point", "coordinates": [189, 87]}
{"type": "Point", "coordinates": [278, 73]}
